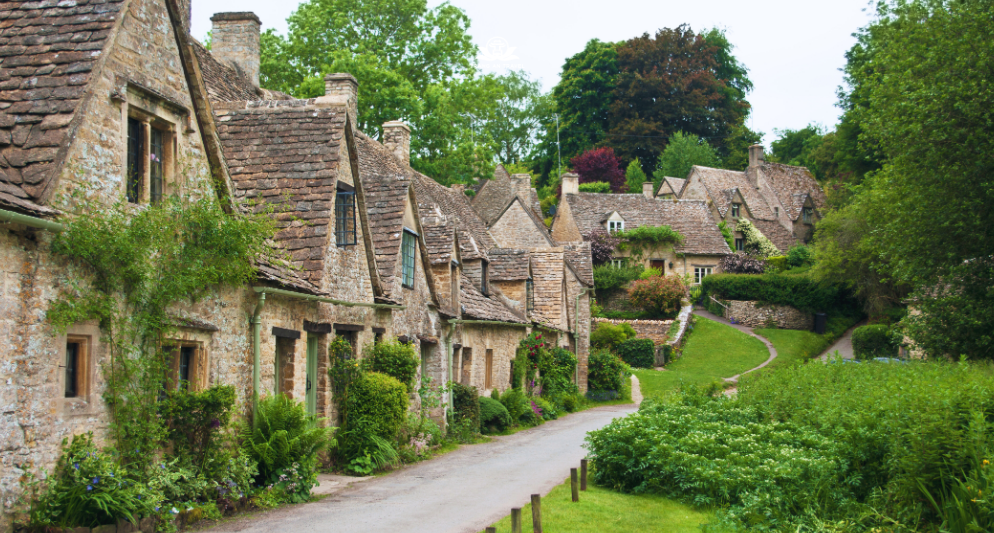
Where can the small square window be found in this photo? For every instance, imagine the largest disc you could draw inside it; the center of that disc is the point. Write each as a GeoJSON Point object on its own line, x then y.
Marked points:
{"type": "Point", "coordinates": [736, 209]}
{"type": "Point", "coordinates": [739, 245]}
{"type": "Point", "coordinates": [700, 273]}
{"type": "Point", "coordinates": [807, 215]}
{"type": "Point", "coordinates": [345, 219]}
{"type": "Point", "coordinates": [615, 225]}
{"type": "Point", "coordinates": [182, 373]}
{"type": "Point", "coordinates": [408, 252]}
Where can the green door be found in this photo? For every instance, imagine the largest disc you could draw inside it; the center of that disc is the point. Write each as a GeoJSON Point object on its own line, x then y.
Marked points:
{"type": "Point", "coordinates": [312, 374]}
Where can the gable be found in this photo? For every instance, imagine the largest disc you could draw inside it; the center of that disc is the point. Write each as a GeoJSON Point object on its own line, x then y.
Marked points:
{"type": "Point", "coordinates": [517, 227]}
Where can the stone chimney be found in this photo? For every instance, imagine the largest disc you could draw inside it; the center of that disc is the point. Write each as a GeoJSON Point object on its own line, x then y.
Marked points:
{"type": "Point", "coordinates": [647, 189]}
{"type": "Point", "coordinates": [397, 139]}
{"type": "Point", "coordinates": [235, 42]}
{"type": "Point", "coordinates": [756, 156]}
{"type": "Point", "coordinates": [571, 183]}
{"type": "Point", "coordinates": [522, 185]}
{"type": "Point", "coordinates": [344, 85]}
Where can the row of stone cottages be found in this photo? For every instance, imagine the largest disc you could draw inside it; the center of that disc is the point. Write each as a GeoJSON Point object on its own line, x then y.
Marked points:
{"type": "Point", "coordinates": [114, 97]}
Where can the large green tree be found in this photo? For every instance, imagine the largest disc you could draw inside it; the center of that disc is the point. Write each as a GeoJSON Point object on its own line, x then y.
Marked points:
{"type": "Point", "coordinates": [517, 113]}
{"type": "Point", "coordinates": [683, 152]}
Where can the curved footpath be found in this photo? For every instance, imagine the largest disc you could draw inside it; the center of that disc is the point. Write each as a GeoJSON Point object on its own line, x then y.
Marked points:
{"type": "Point", "coordinates": [747, 331]}
{"type": "Point", "coordinates": [460, 492]}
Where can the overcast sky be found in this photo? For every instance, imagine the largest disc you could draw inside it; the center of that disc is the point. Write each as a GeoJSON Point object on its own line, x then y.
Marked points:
{"type": "Point", "coordinates": [792, 48]}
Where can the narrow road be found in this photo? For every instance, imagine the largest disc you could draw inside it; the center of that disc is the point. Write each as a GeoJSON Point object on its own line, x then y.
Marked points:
{"type": "Point", "coordinates": [843, 345]}
{"type": "Point", "coordinates": [461, 492]}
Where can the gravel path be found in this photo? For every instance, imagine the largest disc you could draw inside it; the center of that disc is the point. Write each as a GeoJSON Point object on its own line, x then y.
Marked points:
{"type": "Point", "coordinates": [743, 329]}
{"type": "Point", "coordinates": [461, 492]}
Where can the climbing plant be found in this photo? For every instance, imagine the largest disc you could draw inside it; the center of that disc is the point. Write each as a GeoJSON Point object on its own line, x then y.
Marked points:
{"type": "Point", "coordinates": [755, 242]}
{"type": "Point", "coordinates": [128, 266]}
{"type": "Point", "coordinates": [644, 240]}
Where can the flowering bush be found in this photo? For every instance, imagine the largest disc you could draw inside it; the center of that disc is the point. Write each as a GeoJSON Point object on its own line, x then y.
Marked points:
{"type": "Point", "coordinates": [603, 246]}
{"type": "Point", "coordinates": [755, 242]}
{"type": "Point", "coordinates": [741, 263]}
{"type": "Point", "coordinates": [658, 295]}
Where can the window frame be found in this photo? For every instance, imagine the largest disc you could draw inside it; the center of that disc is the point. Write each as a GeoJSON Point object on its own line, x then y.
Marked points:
{"type": "Point", "coordinates": [345, 212]}
{"type": "Point", "coordinates": [614, 226]}
{"type": "Point", "coordinates": [408, 253]}
{"type": "Point", "coordinates": [149, 156]}
{"type": "Point", "coordinates": [484, 278]}
{"type": "Point", "coordinates": [736, 210]}
{"type": "Point", "coordinates": [194, 381]}
{"type": "Point", "coordinates": [740, 244]}
{"type": "Point", "coordinates": [619, 263]}
{"type": "Point", "coordinates": [701, 272]}
{"type": "Point", "coordinates": [807, 214]}
{"type": "Point", "coordinates": [80, 367]}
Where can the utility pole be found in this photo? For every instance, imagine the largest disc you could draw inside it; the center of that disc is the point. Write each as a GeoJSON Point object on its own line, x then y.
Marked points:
{"type": "Point", "coordinates": [559, 153]}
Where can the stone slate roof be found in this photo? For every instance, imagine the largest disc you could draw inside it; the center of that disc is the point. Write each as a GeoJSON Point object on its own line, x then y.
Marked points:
{"type": "Point", "coordinates": [476, 306]}
{"type": "Point", "coordinates": [285, 154]}
{"type": "Point", "coordinates": [692, 218]}
{"type": "Point", "coordinates": [225, 84]}
{"type": "Point", "coordinates": [792, 185]}
{"type": "Point", "coordinates": [722, 184]}
{"type": "Point", "coordinates": [436, 202]}
{"type": "Point", "coordinates": [675, 183]}
{"type": "Point", "coordinates": [579, 259]}
{"type": "Point", "coordinates": [492, 197]}
{"type": "Point", "coordinates": [780, 236]}
{"type": "Point", "coordinates": [507, 264]}
{"type": "Point", "coordinates": [439, 236]}
{"type": "Point", "coordinates": [48, 50]}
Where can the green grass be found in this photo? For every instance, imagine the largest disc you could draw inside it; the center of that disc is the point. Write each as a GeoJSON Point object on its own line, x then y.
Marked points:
{"type": "Point", "coordinates": [713, 352]}
{"type": "Point", "coordinates": [794, 346]}
{"type": "Point", "coordinates": [602, 510]}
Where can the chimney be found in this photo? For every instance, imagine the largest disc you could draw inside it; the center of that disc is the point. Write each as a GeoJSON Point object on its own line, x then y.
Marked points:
{"type": "Point", "coordinates": [571, 183]}
{"type": "Point", "coordinates": [397, 139]}
{"type": "Point", "coordinates": [522, 185]}
{"type": "Point", "coordinates": [235, 42]}
{"type": "Point", "coordinates": [756, 156]}
{"type": "Point", "coordinates": [647, 188]}
{"type": "Point", "coordinates": [344, 85]}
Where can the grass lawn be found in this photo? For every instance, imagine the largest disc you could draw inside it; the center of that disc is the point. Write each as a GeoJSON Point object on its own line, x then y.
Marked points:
{"type": "Point", "coordinates": [793, 346]}
{"type": "Point", "coordinates": [713, 352]}
{"type": "Point", "coordinates": [605, 511]}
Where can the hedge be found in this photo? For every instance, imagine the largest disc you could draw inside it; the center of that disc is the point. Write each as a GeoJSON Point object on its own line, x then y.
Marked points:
{"type": "Point", "coordinates": [875, 341]}
{"type": "Point", "coordinates": [606, 372]}
{"type": "Point", "coordinates": [378, 403]}
{"type": "Point", "coordinates": [493, 415]}
{"type": "Point", "coordinates": [797, 291]}
{"type": "Point", "coordinates": [466, 404]}
{"type": "Point", "coordinates": [638, 353]}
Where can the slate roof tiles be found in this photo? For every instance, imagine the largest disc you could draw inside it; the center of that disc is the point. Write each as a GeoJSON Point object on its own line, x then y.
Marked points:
{"type": "Point", "coordinates": [476, 306]}
{"type": "Point", "coordinates": [509, 265]}
{"type": "Point", "coordinates": [792, 185]}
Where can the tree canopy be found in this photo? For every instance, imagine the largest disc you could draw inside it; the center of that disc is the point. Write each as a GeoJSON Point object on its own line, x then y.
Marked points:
{"type": "Point", "coordinates": [683, 152]}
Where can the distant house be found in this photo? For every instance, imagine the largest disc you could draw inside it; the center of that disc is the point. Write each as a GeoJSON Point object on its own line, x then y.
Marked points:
{"type": "Point", "coordinates": [782, 201]}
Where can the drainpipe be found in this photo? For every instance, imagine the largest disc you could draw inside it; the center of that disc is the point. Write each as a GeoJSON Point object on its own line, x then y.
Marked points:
{"type": "Point", "coordinates": [30, 221]}
{"type": "Point", "coordinates": [576, 373]}
{"type": "Point", "coordinates": [449, 355]}
{"type": "Point", "coordinates": [257, 353]}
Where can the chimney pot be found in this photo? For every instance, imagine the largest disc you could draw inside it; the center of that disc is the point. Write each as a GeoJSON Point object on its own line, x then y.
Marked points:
{"type": "Point", "coordinates": [397, 139]}
{"type": "Point", "coordinates": [571, 183]}
{"type": "Point", "coordinates": [756, 156]}
{"type": "Point", "coordinates": [647, 188]}
{"type": "Point", "coordinates": [235, 42]}
{"type": "Point", "coordinates": [344, 84]}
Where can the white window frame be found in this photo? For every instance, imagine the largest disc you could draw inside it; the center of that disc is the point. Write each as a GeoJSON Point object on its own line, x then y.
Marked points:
{"type": "Point", "coordinates": [736, 210]}
{"type": "Point", "coordinates": [702, 272]}
{"type": "Point", "coordinates": [618, 263]}
{"type": "Point", "coordinates": [615, 225]}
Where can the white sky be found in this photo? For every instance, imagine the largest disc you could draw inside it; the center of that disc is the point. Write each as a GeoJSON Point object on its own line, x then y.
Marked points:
{"type": "Point", "coordinates": [792, 48]}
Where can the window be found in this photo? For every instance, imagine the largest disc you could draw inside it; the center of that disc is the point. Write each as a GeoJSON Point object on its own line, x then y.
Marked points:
{"type": "Point", "coordinates": [484, 286]}
{"type": "Point", "coordinates": [776, 212]}
{"type": "Point", "coordinates": [701, 272]}
{"type": "Point", "coordinates": [407, 252]}
{"type": "Point", "coordinates": [807, 214]}
{"type": "Point", "coordinates": [488, 380]}
{"type": "Point", "coordinates": [147, 155]}
{"type": "Point", "coordinates": [345, 226]}
{"type": "Point", "coordinates": [736, 208]}
{"type": "Point", "coordinates": [739, 244]}
{"type": "Point", "coordinates": [618, 263]}
{"type": "Point", "coordinates": [74, 367]}
{"type": "Point", "coordinates": [530, 295]}
{"type": "Point", "coordinates": [615, 225]}
{"type": "Point", "coordinates": [136, 160]}
{"type": "Point", "coordinates": [284, 363]}
{"type": "Point", "coordinates": [186, 359]}
{"type": "Point", "coordinates": [155, 171]}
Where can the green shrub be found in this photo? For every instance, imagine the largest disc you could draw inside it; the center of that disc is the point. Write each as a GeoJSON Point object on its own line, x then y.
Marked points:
{"type": "Point", "coordinates": [283, 437]}
{"type": "Point", "coordinates": [607, 277]}
{"type": "Point", "coordinates": [605, 372]}
{"type": "Point", "coordinates": [596, 187]}
{"type": "Point", "coordinates": [393, 358]}
{"type": "Point", "coordinates": [651, 273]}
{"type": "Point", "coordinates": [800, 255]}
{"type": "Point", "coordinates": [570, 403]}
{"type": "Point", "coordinates": [755, 242]}
{"type": "Point", "coordinates": [776, 264]}
{"type": "Point", "coordinates": [875, 341]}
{"type": "Point", "coordinates": [661, 295]}
{"type": "Point", "coordinates": [516, 403]}
{"type": "Point", "coordinates": [417, 437]}
{"type": "Point", "coordinates": [638, 353]}
{"type": "Point", "coordinates": [494, 417]}
{"type": "Point", "coordinates": [196, 420]}
{"type": "Point", "coordinates": [557, 369]}
{"type": "Point", "coordinates": [88, 489]}
{"type": "Point", "coordinates": [801, 292]}
{"type": "Point", "coordinates": [607, 335]}
{"type": "Point", "coordinates": [466, 404]}
{"type": "Point", "coordinates": [547, 408]}
{"type": "Point", "coordinates": [377, 403]}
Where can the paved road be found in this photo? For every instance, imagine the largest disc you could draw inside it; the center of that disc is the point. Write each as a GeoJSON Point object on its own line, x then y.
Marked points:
{"type": "Point", "coordinates": [843, 345]}
{"type": "Point", "coordinates": [460, 492]}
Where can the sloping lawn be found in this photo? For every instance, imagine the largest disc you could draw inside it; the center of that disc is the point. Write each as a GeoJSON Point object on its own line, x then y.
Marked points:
{"type": "Point", "coordinates": [793, 346]}
{"type": "Point", "coordinates": [713, 352]}
{"type": "Point", "coordinates": [604, 511]}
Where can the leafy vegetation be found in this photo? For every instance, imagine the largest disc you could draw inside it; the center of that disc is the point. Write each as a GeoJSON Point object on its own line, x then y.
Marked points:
{"type": "Point", "coordinates": [638, 353]}
{"type": "Point", "coordinates": [755, 242]}
{"type": "Point", "coordinates": [660, 295]}
{"type": "Point", "coordinates": [393, 358]}
{"type": "Point", "coordinates": [875, 340]}
{"type": "Point", "coordinates": [608, 335]}
{"type": "Point", "coordinates": [635, 177]}
{"type": "Point", "coordinates": [608, 277]}
{"type": "Point", "coordinates": [596, 187]}
{"type": "Point", "coordinates": [599, 165]}
{"type": "Point", "coordinates": [743, 263]}
{"type": "Point", "coordinates": [606, 373]}
{"type": "Point", "coordinates": [683, 152]}
{"type": "Point", "coordinates": [801, 292]}
{"type": "Point", "coordinates": [494, 417]}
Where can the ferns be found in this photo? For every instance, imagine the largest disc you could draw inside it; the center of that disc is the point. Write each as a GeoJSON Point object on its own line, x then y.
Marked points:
{"type": "Point", "coordinates": [283, 434]}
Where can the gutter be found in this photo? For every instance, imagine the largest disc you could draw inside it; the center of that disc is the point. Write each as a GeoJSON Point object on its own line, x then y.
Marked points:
{"type": "Point", "coordinates": [30, 221]}
{"type": "Point", "coordinates": [488, 322]}
{"type": "Point", "coordinates": [343, 303]}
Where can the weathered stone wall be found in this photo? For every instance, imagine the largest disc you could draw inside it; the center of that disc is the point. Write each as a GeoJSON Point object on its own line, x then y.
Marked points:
{"type": "Point", "coordinates": [578, 309]}
{"type": "Point", "coordinates": [515, 229]}
{"type": "Point", "coordinates": [756, 316]}
{"type": "Point", "coordinates": [503, 340]}
{"type": "Point", "coordinates": [548, 270]}
{"type": "Point", "coordinates": [564, 228]}
{"type": "Point", "coordinates": [514, 292]}
{"type": "Point", "coordinates": [646, 329]}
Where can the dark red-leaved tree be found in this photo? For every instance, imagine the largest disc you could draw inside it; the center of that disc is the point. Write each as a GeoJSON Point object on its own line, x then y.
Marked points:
{"type": "Point", "coordinates": [600, 164]}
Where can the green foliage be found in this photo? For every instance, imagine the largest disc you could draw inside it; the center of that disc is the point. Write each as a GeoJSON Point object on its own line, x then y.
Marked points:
{"type": "Point", "coordinates": [660, 295]}
{"type": "Point", "coordinates": [635, 176]}
{"type": "Point", "coordinates": [377, 409]}
{"type": "Point", "coordinates": [683, 152]}
{"type": "Point", "coordinates": [88, 488]}
{"type": "Point", "coordinates": [638, 353]}
{"type": "Point", "coordinates": [647, 239]}
{"type": "Point", "coordinates": [726, 232]}
{"type": "Point", "coordinates": [875, 341]}
{"type": "Point", "coordinates": [517, 404]}
{"type": "Point", "coordinates": [544, 406]}
{"type": "Point", "coordinates": [126, 268]}
{"type": "Point", "coordinates": [801, 292]}
{"type": "Point", "coordinates": [799, 255]}
{"type": "Point", "coordinates": [466, 404]}
{"type": "Point", "coordinates": [532, 352]}
{"type": "Point", "coordinates": [283, 439]}
{"type": "Point", "coordinates": [494, 417]}
{"type": "Point", "coordinates": [393, 358]}
{"type": "Point", "coordinates": [607, 335]}
{"type": "Point", "coordinates": [605, 372]}
{"type": "Point", "coordinates": [607, 277]}
{"type": "Point", "coordinates": [755, 242]}
{"type": "Point", "coordinates": [596, 187]}
{"type": "Point", "coordinates": [650, 273]}
{"type": "Point", "coordinates": [195, 420]}
{"type": "Point", "coordinates": [776, 264]}
{"type": "Point", "coordinates": [556, 370]}
{"type": "Point", "coordinates": [790, 452]}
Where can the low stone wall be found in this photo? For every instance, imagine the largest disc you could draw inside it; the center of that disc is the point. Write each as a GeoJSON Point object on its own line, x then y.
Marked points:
{"type": "Point", "coordinates": [758, 316]}
{"type": "Point", "coordinates": [646, 329]}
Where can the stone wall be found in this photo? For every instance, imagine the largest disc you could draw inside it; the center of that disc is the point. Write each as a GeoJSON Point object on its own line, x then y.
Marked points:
{"type": "Point", "coordinates": [646, 329]}
{"type": "Point", "coordinates": [471, 363]}
{"type": "Point", "coordinates": [758, 316]}
{"type": "Point", "coordinates": [516, 229]}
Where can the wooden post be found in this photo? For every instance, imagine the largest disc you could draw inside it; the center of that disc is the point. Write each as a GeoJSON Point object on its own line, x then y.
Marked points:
{"type": "Point", "coordinates": [537, 513]}
{"type": "Point", "coordinates": [583, 474]}
{"type": "Point", "coordinates": [491, 530]}
{"type": "Point", "coordinates": [516, 520]}
{"type": "Point", "coordinates": [573, 485]}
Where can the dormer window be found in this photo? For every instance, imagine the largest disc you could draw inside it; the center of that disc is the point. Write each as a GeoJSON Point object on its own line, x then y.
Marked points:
{"type": "Point", "coordinates": [776, 212]}
{"type": "Point", "coordinates": [345, 226]}
{"type": "Point", "coordinates": [807, 214]}
{"type": "Point", "coordinates": [736, 210]}
{"type": "Point", "coordinates": [408, 248]}
{"type": "Point", "coordinates": [615, 225]}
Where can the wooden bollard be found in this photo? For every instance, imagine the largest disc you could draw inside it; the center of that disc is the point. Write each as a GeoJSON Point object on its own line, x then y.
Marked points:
{"type": "Point", "coordinates": [583, 474]}
{"type": "Point", "coordinates": [491, 530]}
{"type": "Point", "coordinates": [516, 520]}
{"type": "Point", "coordinates": [537, 513]}
{"type": "Point", "coordinates": [574, 488]}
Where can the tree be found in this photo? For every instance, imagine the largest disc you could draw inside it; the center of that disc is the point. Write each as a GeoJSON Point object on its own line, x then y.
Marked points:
{"type": "Point", "coordinates": [683, 152]}
{"type": "Point", "coordinates": [735, 150]}
{"type": "Point", "coordinates": [671, 82]}
{"type": "Point", "coordinates": [635, 176]}
{"type": "Point", "coordinates": [517, 112]}
{"type": "Point", "coordinates": [599, 164]}
{"type": "Point", "coordinates": [795, 146]}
